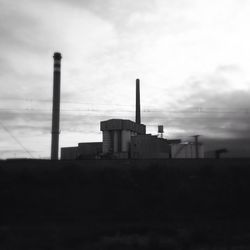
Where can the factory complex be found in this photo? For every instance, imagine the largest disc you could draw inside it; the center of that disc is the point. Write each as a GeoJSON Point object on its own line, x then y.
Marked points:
{"type": "Point", "coordinates": [126, 139]}
{"type": "Point", "coordinates": [121, 139]}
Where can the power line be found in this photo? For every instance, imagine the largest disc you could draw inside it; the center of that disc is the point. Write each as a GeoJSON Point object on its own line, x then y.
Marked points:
{"type": "Point", "coordinates": [70, 102]}
{"type": "Point", "coordinates": [195, 110]}
{"type": "Point", "coordinates": [16, 140]}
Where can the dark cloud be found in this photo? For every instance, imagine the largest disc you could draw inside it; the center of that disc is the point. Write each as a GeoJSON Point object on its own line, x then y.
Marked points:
{"type": "Point", "coordinates": [209, 104]}
{"type": "Point", "coordinates": [220, 108]}
{"type": "Point", "coordinates": [212, 107]}
{"type": "Point", "coordinates": [24, 115]}
{"type": "Point", "coordinates": [235, 147]}
{"type": "Point", "coordinates": [216, 133]}
{"type": "Point", "coordinates": [208, 122]}
{"type": "Point", "coordinates": [24, 121]}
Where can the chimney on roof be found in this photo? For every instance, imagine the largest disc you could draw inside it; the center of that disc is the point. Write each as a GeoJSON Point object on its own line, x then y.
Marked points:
{"type": "Point", "coordinates": [138, 105]}
{"type": "Point", "coordinates": [56, 106]}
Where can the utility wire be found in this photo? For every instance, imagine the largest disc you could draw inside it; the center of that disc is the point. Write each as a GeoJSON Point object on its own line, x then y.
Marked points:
{"type": "Point", "coordinates": [16, 140]}
{"type": "Point", "coordinates": [200, 109]}
{"type": "Point", "coordinates": [69, 102]}
{"type": "Point", "coordinates": [193, 110]}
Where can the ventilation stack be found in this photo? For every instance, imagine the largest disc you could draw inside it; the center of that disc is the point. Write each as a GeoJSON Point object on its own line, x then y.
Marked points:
{"type": "Point", "coordinates": [196, 146]}
{"type": "Point", "coordinates": [56, 106]}
{"type": "Point", "coordinates": [138, 105]}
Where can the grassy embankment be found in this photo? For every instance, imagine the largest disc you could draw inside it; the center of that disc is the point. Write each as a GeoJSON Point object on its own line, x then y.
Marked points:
{"type": "Point", "coordinates": [152, 204]}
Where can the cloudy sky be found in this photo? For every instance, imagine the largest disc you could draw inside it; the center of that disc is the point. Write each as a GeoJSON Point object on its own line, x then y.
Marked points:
{"type": "Point", "coordinates": [192, 56]}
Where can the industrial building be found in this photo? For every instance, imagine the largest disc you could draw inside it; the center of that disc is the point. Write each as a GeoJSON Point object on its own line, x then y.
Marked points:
{"type": "Point", "coordinates": [117, 134]}
{"type": "Point", "coordinates": [122, 139]}
{"type": "Point", "coordinates": [126, 139]}
{"type": "Point", "coordinates": [89, 150]}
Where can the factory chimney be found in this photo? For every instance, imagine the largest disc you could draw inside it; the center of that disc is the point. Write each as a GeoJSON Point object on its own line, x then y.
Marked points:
{"type": "Point", "coordinates": [196, 143]}
{"type": "Point", "coordinates": [56, 106]}
{"type": "Point", "coordinates": [138, 105]}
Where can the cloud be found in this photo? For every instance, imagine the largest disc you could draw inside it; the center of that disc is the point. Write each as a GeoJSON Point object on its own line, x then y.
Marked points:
{"type": "Point", "coordinates": [214, 108]}
{"type": "Point", "coordinates": [189, 54]}
{"type": "Point", "coordinates": [34, 30]}
{"type": "Point", "coordinates": [235, 147]}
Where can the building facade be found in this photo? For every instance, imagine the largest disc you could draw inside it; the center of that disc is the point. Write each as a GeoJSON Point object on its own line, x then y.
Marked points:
{"type": "Point", "coordinates": [117, 134]}
{"type": "Point", "coordinates": [88, 150]}
{"type": "Point", "coordinates": [149, 147]}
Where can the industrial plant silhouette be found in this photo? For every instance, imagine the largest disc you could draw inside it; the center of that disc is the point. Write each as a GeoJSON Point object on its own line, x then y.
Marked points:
{"type": "Point", "coordinates": [122, 139]}
{"type": "Point", "coordinates": [146, 202]}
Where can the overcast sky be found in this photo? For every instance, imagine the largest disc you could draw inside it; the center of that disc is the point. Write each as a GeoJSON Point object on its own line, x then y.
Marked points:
{"type": "Point", "coordinates": [192, 56]}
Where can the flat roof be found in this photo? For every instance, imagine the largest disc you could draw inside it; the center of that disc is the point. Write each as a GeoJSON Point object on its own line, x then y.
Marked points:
{"type": "Point", "coordinates": [121, 124]}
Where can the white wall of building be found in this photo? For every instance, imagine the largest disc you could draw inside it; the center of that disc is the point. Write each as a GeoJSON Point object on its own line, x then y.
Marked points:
{"type": "Point", "coordinates": [126, 139]}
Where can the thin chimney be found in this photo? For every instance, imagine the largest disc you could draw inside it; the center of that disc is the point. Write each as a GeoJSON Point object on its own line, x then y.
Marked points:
{"type": "Point", "coordinates": [56, 106]}
{"type": "Point", "coordinates": [196, 146]}
{"type": "Point", "coordinates": [138, 105]}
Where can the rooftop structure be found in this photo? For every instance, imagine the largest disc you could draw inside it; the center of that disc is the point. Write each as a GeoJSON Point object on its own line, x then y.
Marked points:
{"type": "Point", "coordinates": [117, 135]}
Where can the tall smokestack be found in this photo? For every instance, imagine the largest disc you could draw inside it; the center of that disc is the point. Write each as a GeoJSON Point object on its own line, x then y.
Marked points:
{"type": "Point", "coordinates": [138, 105]}
{"type": "Point", "coordinates": [196, 146]}
{"type": "Point", "coordinates": [56, 106]}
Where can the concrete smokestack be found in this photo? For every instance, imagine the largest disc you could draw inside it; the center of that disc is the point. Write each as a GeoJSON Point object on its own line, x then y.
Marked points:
{"type": "Point", "coordinates": [138, 105]}
{"type": "Point", "coordinates": [196, 142]}
{"type": "Point", "coordinates": [56, 106]}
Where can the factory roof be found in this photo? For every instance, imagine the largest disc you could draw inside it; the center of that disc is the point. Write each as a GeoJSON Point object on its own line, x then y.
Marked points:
{"type": "Point", "coordinates": [121, 124]}
{"type": "Point", "coordinates": [155, 137]}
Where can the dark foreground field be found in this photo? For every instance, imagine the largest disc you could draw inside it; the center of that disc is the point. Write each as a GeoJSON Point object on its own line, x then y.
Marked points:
{"type": "Point", "coordinates": [168, 204]}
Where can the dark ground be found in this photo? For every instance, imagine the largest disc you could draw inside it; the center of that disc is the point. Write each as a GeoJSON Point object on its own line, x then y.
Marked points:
{"type": "Point", "coordinates": [113, 204]}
